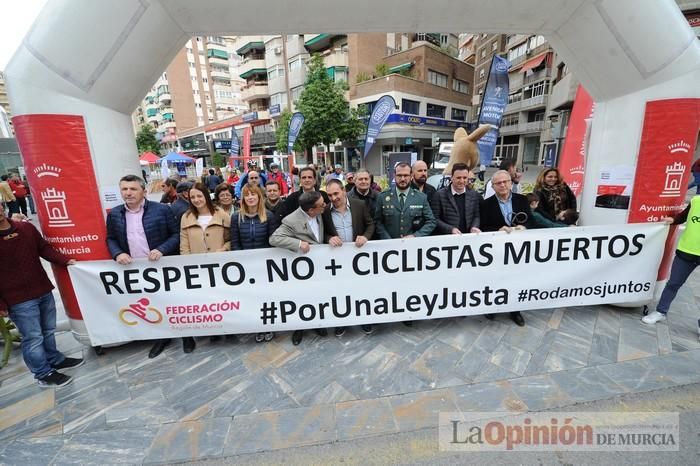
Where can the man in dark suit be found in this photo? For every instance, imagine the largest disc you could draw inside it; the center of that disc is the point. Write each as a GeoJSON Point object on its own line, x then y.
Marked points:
{"type": "Point", "coordinates": [307, 183]}
{"type": "Point", "coordinates": [505, 211]}
{"type": "Point", "coordinates": [141, 228]}
{"type": "Point", "coordinates": [419, 179]}
{"type": "Point", "coordinates": [298, 231]}
{"type": "Point", "coordinates": [353, 223]}
{"type": "Point", "coordinates": [455, 207]}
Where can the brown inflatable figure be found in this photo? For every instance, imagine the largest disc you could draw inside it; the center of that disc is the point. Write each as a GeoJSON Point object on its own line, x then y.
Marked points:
{"type": "Point", "coordinates": [465, 149]}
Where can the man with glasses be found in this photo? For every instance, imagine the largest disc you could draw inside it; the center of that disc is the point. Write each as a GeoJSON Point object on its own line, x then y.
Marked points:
{"type": "Point", "coordinates": [509, 166]}
{"type": "Point", "coordinates": [505, 211]}
{"type": "Point", "coordinates": [456, 207]}
{"type": "Point", "coordinates": [299, 230]}
{"type": "Point", "coordinates": [403, 212]}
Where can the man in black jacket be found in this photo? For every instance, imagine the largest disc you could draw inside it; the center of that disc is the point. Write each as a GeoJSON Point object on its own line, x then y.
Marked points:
{"type": "Point", "coordinates": [419, 179]}
{"type": "Point", "coordinates": [307, 182]}
{"type": "Point", "coordinates": [455, 207]}
{"type": "Point", "coordinates": [505, 211]}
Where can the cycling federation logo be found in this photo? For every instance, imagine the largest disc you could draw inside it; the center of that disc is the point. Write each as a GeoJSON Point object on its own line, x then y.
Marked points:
{"type": "Point", "coordinates": [140, 310]}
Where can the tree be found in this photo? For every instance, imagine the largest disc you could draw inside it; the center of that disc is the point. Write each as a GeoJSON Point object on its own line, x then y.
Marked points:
{"type": "Point", "coordinates": [327, 116]}
{"type": "Point", "coordinates": [217, 160]}
{"type": "Point", "coordinates": [146, 140]}
{"type": "Point", "coordinates": [282, 132]}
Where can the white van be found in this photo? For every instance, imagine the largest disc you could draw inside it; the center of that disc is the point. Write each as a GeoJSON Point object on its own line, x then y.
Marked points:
{"type": "Point", "coordinates": [443, 156]}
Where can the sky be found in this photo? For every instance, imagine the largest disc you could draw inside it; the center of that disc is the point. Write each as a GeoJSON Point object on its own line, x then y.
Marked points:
{"type": "Point", "coordinates": [16, 17]}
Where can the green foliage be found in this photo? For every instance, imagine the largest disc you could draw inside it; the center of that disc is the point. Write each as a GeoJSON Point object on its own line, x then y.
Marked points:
{"type": "Point", "coordinates": [382, 69]}
{"type": "Point", "coordinates": [362, 77]}
{"type": "Point", "coordinates": [327, 116]}
{"type": "Point", "coordinates": [217, 160]}
{"type": "Point", "coordinates": [282, 132]}
{"type": "Point", "coordinates": [146, 140]}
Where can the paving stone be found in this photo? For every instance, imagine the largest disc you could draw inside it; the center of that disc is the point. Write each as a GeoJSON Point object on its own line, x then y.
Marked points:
{"type": "Point", "coordinates": [579, 321]}
{"type": "Point", "coordinates": [527, 338]}
{"type": "Point", "coordinates": [556, 362]}
{"type": "Point", "coordinates": [45, 424]}
{"type": "Point", "coordinates": [32, 451]}
{"type": "Point", "coordinates": [147, 409]}
{"type": "Point", "coordinates": [189, 441]}
{"type": "Point", "coordinates": [123, 446]}
{"type": "Point", "coordinates": [252, 433]}
{"type": "Point", "coordinates": [636, 376]}
{"type": "Point", "coordinates": [18, 388]}
{"type": "Point", "coordinates": [510, 358]}
{"type": "Point", "coordinates": [469, 367]}
{"type": "Point", "coordinates": [85, 381]}
{"type": "Point", "coordinates": [490, 336]}
{"type": "Point", "coordinates": [419, 410]}
{"type": "Point", "coordinates": [538, 319]}
{"type": "Point", "coordinates": [587, 384]}
{"type": "Point", "coordinates": [491, 372]}
{"type": "Point", "coordinates": [679, 368]}
{"type": "Point", "coordinates": [27, 408]}
{"type": "Point", "coordinates": [488, 397]}
{"type": "Point", "coordinates": [571, 347]}
{"type": "Point", "coordinates": [81, 411]}
{"type": "Point", "coordinates": [555, 320]}
{"type": "Point", "coordinates": [539, 392]}
{"type": "Point", "coordinates": [462, 332]}
{"type": "Point", "coordinates": [637, 343]}
{"type": "Point", "coordinates": [363, 418]}
{"type": "Point", "coordinates": [663, 336]}
{"type": "Point", "coordinates": [608, 323]}
{"type": "Point", "coordinates": [539, 356]}
{"type": "Point", "coordinates": [436, 365]}
{"type": "Point", "coordinates": [334, 392]}
{"type": "Point", "coordinates": [603, 348]}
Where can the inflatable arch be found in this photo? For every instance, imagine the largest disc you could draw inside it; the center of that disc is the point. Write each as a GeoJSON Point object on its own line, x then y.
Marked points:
{"type": "Point", "coordinates": [84, 66]}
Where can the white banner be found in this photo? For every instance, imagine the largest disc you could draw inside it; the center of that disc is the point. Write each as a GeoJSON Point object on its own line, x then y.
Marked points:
{"type": "Point", "coordinates": [384, 281]}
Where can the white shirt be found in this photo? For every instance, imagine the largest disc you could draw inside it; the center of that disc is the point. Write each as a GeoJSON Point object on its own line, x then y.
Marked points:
{"type": "Point", "coordinates": [203, 221]}
{"type": "Point", "coordinates": [313, 226]}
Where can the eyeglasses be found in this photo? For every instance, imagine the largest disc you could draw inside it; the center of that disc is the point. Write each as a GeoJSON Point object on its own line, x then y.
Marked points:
{"type": "Point", "coordinates": [498, 183]}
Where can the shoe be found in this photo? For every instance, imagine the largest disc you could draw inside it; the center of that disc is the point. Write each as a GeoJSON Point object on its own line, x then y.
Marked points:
{"type": "Point", "coordinates": [517, 318]}
{"type": "Point", "coordinates": [407, 323]}
{"type": "Point", "coordinates": [322, 332]}
{"type": "Point", "coordinates": [339, 331]}
{"type": "Point", "coordinates": [368, 329]}
{"type": "Point", "coordinates": [297, 336]}
{"type": "Point", "coordinates": [653, 317]}
{"type": "Point", "coordinates": [54, 379]}
{"type": "Point", "coordinates": [259, 337]}
{"type": "Point", "coordinates": [188, 344]}
{"type": "Point", "coordinates": [490, 316]}
{"type": "Point", "coordinates": [158, 348]}
{"type": "Point", "coordinates": [69, 363]}
{"type": "Point", "coordinates": [269, 336]}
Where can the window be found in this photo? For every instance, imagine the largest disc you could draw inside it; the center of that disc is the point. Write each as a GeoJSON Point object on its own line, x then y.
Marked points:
{"type": "Point", "coordinates": [482, 73]}
{"type": "Point", "coordinates": [436, 78]}
{"type": "Point", "coordinates": [436, 111]}
{"type": "Point", "coordinates": [509, 120]}
{"type": "Point", "coordinates": [275, 72]}
{"type": "Point", "coordinates": [296, 93]}
{"type": "Point", "coordinates": [410, 106]}
{"type": "Point", "coordinates": [460, 86]}
{"type": "Point", "coordinates": [279, 99]}
{"type": "Point", "coordinates": [459, 114]}
{"type": "Point", "coordinates": [296, 64]}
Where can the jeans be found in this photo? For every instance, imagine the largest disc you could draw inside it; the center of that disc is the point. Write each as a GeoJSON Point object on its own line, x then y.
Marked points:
{"type": "Point", "coordinates": [36, 321]}
{"type": "Point", "coordinates": [22, 206]}
{"type": "Point", "coordinates": [681, 269]}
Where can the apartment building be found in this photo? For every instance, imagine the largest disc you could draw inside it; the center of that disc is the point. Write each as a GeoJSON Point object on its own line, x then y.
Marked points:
{"type": "Point", "coordinates": [430, 85]}
{"type": "Point", "coordinates": [201, 85]}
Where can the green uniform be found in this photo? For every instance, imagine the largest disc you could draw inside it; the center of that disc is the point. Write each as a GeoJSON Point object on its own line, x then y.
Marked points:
{"type": "Point", "coordinates": [690, 239]}
{"type": "Point", "coordinates": [416, 217]}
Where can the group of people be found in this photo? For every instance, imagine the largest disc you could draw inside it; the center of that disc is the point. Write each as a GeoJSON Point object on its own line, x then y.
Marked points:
{"type": "Point", "coordinates": [194, 222]}
{"type": "Point", "coordinates": [202, 216]}
{"type": "Point", "coordinates": [15, 195]}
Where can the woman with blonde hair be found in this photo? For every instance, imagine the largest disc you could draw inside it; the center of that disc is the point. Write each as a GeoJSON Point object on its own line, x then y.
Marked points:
{"type": "Point", "coordinates": [204, 228]}
{"type": "Point", "coordinates": [557, 201]}
{"type": "Point", "coordinates": [251, 227]}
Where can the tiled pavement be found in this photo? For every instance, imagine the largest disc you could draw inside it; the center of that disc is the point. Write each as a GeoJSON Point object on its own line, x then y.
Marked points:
{"type": "Point", "coordinates": [235, 396]}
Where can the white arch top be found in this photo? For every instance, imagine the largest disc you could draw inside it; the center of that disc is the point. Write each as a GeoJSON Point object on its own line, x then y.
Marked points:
{"type": "Point", "coordinates": [110, 53]}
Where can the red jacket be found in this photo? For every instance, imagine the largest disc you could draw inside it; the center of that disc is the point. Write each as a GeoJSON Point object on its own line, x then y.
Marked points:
{"type": "Point", "coordinates": [19, 189]}
{"type": "Point", "coordinates": [25, 277]}
{"type": "Point", "coordinates": [279, 178]}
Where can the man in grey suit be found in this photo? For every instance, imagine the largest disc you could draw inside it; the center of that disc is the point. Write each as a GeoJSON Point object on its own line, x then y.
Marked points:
{"type": "Point", "coordinates": [456, 208]}
{"type": "Point", "coordinates": [353, 223]}
{"type": "Point", "coordinates": [298, 231]}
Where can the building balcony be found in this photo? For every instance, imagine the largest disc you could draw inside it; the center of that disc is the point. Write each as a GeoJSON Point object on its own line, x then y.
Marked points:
{"type": "Point", "coordinates": [251, 43]}
{"type": "Point", "coordinates": [153, 118]}
{"type": "Point", "coordinates": [538, 76]}
{"type": "Point", "coordinates": [152, 106]}
{"type": "Point", "coordinates": [527, 104]}
{"type": "Point", "coordinates": [250, 68]}
{"type": "Point", "coordinates": [522, 128]}
{"type": "Point", "coordinates": [164, 98]}
{"type": "Point", "coordinates": [254, 91]}
{"type": "Point", "coordinates": [218, 61]}
{"type": "Point", "coordinates": [221, 75]}
{"type": "Point", "coordinates": [335, 57]}
{"type": "Point", "coordinates": [563, 93]}
{"type": "Point", "coordinates": [168, 125]}
{"type": "Point", "coordinates": [166, 109]}
{"type": "Point", "coordinates": [318, 42]}
{"type": "Point", "coordinates": [268, 137]}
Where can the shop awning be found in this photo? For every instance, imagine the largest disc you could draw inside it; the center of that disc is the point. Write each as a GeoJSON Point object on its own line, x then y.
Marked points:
{"type": "Point", "coordinates": [533, 63]}
{"type": "Point", "coordinates": [401, 67]}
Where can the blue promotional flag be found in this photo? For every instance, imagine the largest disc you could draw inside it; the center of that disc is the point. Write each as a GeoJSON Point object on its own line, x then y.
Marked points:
{"type": "Point", "coordinates": [493, 105]}
{"type": "Point", "coordinates": [235, 143]}
{"type": "Point", "coordinates": [294, 128]}
{"type": "Point", "coordinates": [382, 109]}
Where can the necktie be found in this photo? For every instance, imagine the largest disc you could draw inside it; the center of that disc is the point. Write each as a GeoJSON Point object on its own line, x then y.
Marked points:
{"type": "Point", "coordinates": [402, 200]}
